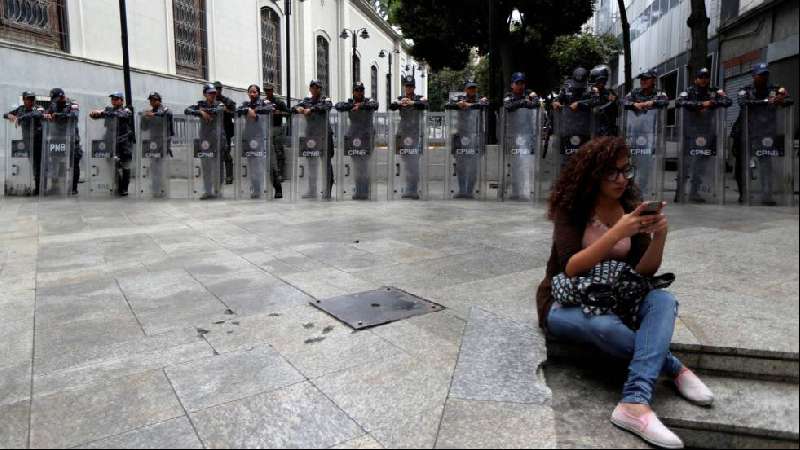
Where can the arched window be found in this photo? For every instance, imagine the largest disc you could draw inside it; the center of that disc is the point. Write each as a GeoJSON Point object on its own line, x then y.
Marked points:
{"type": "Point", "coordinates": [36, 22]}
{"type": "Point", "coordinates": [374, 82]}
{"type": "Point", "coordinates": [271, 48]}
{"type": "Point", "coordinates": [189, 21]}
{"type": "Point", "coordinates": [323, 63]}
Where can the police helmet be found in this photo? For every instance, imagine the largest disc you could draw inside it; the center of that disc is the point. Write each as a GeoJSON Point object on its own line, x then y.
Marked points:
{"type": "Point", "coordinates": [600, 74]}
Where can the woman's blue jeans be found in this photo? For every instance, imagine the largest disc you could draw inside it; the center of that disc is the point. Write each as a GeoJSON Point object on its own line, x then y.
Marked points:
{"type": "Point", "coordinates": [647, 349]}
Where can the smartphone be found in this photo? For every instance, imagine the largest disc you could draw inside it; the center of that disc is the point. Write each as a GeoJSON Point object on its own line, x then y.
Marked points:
{"type": "Point", "coordinates": [651, 208]}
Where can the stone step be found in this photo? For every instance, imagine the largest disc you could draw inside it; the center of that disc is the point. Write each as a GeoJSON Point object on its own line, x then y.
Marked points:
{"type": "Point", "coordinates": [746, 414]}
{"type": "Point", "coordinates": [722, 361]}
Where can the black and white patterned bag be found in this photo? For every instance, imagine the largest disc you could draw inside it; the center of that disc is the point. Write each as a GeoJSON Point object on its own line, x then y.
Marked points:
{"type": "Point", "coordinates": [611, 287]}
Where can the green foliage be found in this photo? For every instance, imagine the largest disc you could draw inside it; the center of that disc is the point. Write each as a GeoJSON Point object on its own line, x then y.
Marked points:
{"type": "Point", "coordinates": [444, 81]}
{"type": "Point", "coordinates": [584, 49]}
{"type": "Point", "coordinates": [445, 32]}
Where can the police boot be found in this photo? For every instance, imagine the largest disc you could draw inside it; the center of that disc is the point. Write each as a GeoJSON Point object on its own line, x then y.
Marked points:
{"type": "Point", "coordinates": [124, 181]}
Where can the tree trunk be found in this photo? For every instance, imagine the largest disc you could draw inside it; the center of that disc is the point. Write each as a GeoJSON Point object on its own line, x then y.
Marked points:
{"type": "Point", "coordinates": [626, 45]}
{"type": "Point", "coordinates": [698, 22]}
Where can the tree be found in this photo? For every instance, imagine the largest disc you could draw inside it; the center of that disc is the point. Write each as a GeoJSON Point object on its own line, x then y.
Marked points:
{"type": "Point", "coordinates": [442, 82]}
{"type": "Point", "coordinates": [444, 34]}
{"type": "Point", "coordinates": [626, 45]}
{"type": "Point", "coordinates": [585, 50]}
{"type": "Point", "coordinates": [698, 22]}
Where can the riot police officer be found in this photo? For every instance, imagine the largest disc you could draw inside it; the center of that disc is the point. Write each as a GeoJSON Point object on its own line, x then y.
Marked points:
{"type": "Point", "coordinates": [409, 104]}
{"type": "Point", "coordinates": [209, 110]}
{"type": "Point", "coordinates": [760, 95]}
{"type": "Point", "coordinates": [646, 96]}
{"type": "Point", "coordinates": [228, 127]}
{"type": "Point", "coordinates": [61, 111]}
{"type": "Point", "coordinates": [699, 97]}
{"type": "Point", "coordinates": [518, 128]}
{"type": "Point", "coordinates": [124, 139]}
{"type": "Point", "coordinates": [604, 102]}
{"type": "Point", "coordinates": [279, 113]}
{"type": "Point", "coordinates": [638, 102]}
{"type": "Point", "coordinates": [252, 109]}
{"type": "Point", "coordinates": [573, 91]}
{"type": "Point", "coordinates": [467, 166]}
{"type": "Point", "coordinates": [29, 117]}
{"type": "Point", "coordinates": [358, 108]}
{"type": "Point", "coordinates": [315, 108]}
{"type": "Point", "coordinates": [156, 131]}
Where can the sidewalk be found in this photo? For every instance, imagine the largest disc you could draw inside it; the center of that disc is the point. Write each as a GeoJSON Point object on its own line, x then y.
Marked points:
{"type": "Point", "coordinates": [188, 324]}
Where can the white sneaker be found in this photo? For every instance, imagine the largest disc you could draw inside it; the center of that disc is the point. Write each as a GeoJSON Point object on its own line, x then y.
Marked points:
{"type": "Point", "coordinates": [693, 389]}
{"type": "Point", "coordinates": [647, 427]}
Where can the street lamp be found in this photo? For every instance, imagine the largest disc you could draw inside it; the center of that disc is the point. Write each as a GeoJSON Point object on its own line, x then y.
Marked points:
{"type": "Point", "coordinates": [363, 34]}
{"type": "Point", "coordinates": [388, 55]}
{"type": "Point", "coordinates": [287, 11]}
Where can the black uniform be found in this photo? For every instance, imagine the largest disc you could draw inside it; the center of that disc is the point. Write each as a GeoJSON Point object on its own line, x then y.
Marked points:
{"type": "Point", "coordinates": [410, 128]}
{"type": "Point", "coordinates": [228, 127]}
{"type": "Point", "coordinates": [660, 100]}
{"type": "Point", "coordinates": [31, 122]}
{"type": "Point", "coordinates": [470, 124]}
{"type": "Point", "coordinates": [695, 166]}
{"type": "Point", "coordinates": [360, 130]}
{"type": "Point", "coordinates": [763, 117]}
{"type": "Point", "coordinates": [210, 132]}
{"type": "Point", "coordinates": [64, 114]}
{"type": "Point", "coordinates": [318, 128]}
{"type": "Point", "coordinates": [278, 141]}
{"type": "Point", "coordinates": [122, 119]}
{"type": "Point", "coordinates": [254, 130]}
{"type": "Point", "coordinates": [605, 110]}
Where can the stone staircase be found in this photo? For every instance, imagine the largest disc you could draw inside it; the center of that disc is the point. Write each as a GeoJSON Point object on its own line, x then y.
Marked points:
{"type": "Point", "coordinates": [756, 404]}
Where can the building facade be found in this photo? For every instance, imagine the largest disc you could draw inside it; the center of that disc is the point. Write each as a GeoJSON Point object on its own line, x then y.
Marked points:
{"type": "Point", "coordinates": [741, 33]}
{"type": "Point", "coordinates": [177, 45]}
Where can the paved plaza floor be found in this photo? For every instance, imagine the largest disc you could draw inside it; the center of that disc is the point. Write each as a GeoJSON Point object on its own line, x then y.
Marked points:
{"type": "Point", "coordinates": [188, 324]}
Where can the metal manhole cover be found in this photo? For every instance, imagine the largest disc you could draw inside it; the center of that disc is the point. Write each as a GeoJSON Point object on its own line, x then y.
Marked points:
{"type": "Point", "coordinates": [378, 307]}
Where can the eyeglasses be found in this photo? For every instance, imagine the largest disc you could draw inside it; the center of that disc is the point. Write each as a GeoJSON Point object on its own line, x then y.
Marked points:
{"type": "Point", "coordinates": [627, 172]}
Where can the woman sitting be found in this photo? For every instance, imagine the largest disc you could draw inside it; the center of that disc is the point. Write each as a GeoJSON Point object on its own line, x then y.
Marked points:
{"type": "Point", "coordinates": [596, 209]}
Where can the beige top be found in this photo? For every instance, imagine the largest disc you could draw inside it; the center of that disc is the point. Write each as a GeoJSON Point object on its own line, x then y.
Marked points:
{"type": "Point", "coordinates": [595, 230]}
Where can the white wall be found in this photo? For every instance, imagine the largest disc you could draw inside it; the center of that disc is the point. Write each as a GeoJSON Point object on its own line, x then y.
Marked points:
{"type": "Point", "coordinates": [234, 42]}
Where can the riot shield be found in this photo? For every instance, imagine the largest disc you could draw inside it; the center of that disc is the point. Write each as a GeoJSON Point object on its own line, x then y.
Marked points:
{"type": "Point", "coordinates": [644, 133]}
{"type": "Point", "coordinates": [310, 143]}
{"type": "Point", "coordinates": [520, 154]}
{"type": "Point", "coordinates": [572, 129]}
{"type": "Point", "coordinates": [252, 156]}
{"type": "Point", "coordinates": [769, 153]}
{"type": "Point", "coordinates": [21, 158]}
{"type": "Point", "coordinates": [408, 165]}
{"type": "Point", "coordinates": [466, 155]}
{"type": "Point", "coordinates": [57, 157]}
{"type": "Point", "coordinates": [701, 155]}
{"type": "Point", "coordinates": [206, 138]}
{"type": "Point", "coordinates": [102, 137]}
{"type": "Point", "coordinates": [153, 156]}
{"type": "Point", "coordinates": [356, 156]}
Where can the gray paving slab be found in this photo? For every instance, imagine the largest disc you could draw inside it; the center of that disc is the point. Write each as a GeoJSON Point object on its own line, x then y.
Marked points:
{"type": "Point", "coordinates": [481, 424]}
{"type": "Point", "coordinates": [227, 377]}
{"type": "Point", "coordinates": [500, 361]}
{"type": "Point", "coordinates": [107, 408]}
{"type": "Point", "coordinates": [172, 434]}
{"type": "Point", "coordinates": [399, 401]}
{"type": "Point", "coordinates": [296, 417]}
{"type": "Point", "coordinates": [364, 442]}
{"type": "Point", "coordinates": [14, 424]}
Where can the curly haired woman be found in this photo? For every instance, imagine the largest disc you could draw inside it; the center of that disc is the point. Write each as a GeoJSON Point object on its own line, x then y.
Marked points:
{"type": "Point", "coordinates": [596, 208]}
